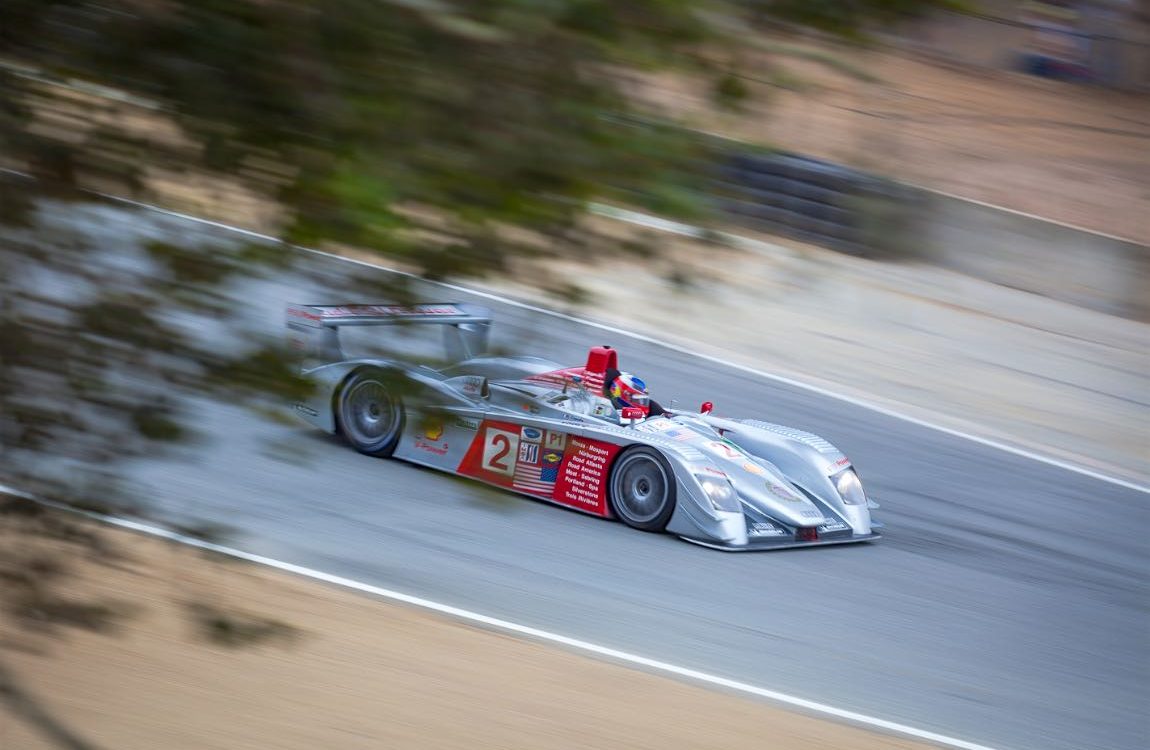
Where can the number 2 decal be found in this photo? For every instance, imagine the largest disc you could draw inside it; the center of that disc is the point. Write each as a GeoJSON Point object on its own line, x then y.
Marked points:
{"type": "Point", "coordinates": [504, 444]}
{"type": "Point", "coordinates": [499, 450]}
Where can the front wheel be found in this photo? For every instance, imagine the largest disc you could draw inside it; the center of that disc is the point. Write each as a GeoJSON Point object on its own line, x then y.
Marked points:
{"type": "Point", "coordinates": [369, 417]}
{"type": "Point", "coordinates": [643, 489]}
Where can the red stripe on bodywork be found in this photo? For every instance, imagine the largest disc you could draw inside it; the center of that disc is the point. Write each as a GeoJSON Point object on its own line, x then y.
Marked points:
{"type": "Point", "coordinates": [581, 482]}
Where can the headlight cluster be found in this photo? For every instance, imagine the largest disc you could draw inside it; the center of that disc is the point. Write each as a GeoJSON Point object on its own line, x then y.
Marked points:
{"type": "Point", "coordinates": [849, 487]}
{"type": "Point", "coordinates": [720, 492]}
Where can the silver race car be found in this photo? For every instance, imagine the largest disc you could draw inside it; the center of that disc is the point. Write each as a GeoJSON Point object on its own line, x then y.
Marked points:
{"type": "Point", "coordinates": [545, 430]}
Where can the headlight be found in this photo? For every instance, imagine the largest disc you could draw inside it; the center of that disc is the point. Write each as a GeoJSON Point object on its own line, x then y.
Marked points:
{"type": "Point", "coordinates": [849, 487]}
{"type": "Point", "coordinates": [720, 492]}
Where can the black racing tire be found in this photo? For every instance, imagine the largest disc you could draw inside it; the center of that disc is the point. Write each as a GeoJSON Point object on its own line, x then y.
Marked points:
{"type": "Point", "coordinates": [642, 489]}
{"type": "Point", "coordinates": [368, 415]}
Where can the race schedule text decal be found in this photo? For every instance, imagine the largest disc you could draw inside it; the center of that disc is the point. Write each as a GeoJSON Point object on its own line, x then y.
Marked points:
{"type": "Point", "coordinates": [582, 481]}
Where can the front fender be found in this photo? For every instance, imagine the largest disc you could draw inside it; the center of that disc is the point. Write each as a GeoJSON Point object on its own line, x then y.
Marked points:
{"type": "Point", "coordinates": [807, 460]}
{"type": "Point", "coordinates": [696, 518]}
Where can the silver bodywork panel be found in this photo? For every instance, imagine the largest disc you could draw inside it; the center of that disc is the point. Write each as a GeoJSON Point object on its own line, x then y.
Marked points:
{"type": "Point", "coordinates": [508, 422]}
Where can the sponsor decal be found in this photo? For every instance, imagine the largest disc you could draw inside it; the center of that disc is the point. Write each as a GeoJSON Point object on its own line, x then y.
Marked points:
{"type": "Point", "coordinates": [837, 466]}
{"type": "Point", "coordinates": [832, 524]}
{"type": "Point", "coordinates": [396, 311]}
{"type": "Point", "coordinates": [473, 386]}
{"type": "Point", "coordinates": [301, 312]}
{"type": "Point", "coordinates": [657, 425]}
{"type": "Point", "coordinates": [433, 429]}
{"type": "Point", "coordinates": [681, 434]}
{"type": "Point", "coordinates": [582, 475]}
{"type": "Point", "coordinates": [762, 528]}
{"type": "Point", "coordinates": [304, 408]}
{"type": "Point", "coordinates": [754, 468]}
{"type": "Point", "coordinates": [782, 492]}
{"type": "Point", "coordinates": [724, 449]}
{"type": "Point", "coordinates": [529, 453]}
{"type": "Point", "coordinates": [556, 440]}
{"type": "Point", "coordinates": [531, 408]}
{"type": "Point", "coordinates": [536, 479]}
{"type": "Point", "coordinates": [713, 470]}
{"type": "Point", "coordinates": [466, 424]}
{"type": "Point", "coordinates": [439, 449]}
{"type": "Point", "coordinates": [812, 514]}
{"type": "Point", "coordinates": [499, 454]}
{"type": "Point", "coordinates": [531, 435]}
{"type": "Point", "coordinates": [432, 435]}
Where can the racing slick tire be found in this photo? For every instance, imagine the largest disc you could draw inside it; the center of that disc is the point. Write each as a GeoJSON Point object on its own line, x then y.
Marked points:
{"type": "Point", "coordinates": [642, 489]}
{"type": "Point", "coordinates": [368, 415]}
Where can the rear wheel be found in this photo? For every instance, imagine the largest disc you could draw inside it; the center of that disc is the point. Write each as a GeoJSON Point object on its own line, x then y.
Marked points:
{"type": "Point", "coordinates": [642, 489]}
{"type": "Point", "coordinates": [370, 418]}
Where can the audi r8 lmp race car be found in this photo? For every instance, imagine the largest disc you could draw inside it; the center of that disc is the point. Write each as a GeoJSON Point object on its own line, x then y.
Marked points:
{"type": "Point", "coordinates": [545, 430]}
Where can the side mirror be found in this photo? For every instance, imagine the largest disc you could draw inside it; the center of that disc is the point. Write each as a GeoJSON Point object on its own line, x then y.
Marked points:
{"type": "Point", "coordinates": [631, 414]}
{"type": "Point", "coordinates": [706, 407]}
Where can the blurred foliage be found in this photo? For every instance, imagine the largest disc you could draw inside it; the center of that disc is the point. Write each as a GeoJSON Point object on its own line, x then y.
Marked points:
{"type": "Point", "coordinates": [102, 344]}
{"type": "Point", "coordinates": [490, 112]}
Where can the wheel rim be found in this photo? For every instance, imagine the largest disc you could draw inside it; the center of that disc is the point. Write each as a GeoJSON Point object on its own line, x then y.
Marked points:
{"type": "Point", "coordinates": [368, 413]}
{"type": "Point", "coordinates": [639, 486]}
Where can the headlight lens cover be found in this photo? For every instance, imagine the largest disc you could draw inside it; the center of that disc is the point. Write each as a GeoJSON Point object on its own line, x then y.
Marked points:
{"type": "Point", "coordinates": [720, 492]}
{"type": "Point", "coordinates": [849, 487]}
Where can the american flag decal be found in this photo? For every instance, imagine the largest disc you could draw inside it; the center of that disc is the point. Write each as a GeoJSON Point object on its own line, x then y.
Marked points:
{"type": "Point", "coordinates": [536, 479]}
{"type": "Point", "coordinates": [592, 381]}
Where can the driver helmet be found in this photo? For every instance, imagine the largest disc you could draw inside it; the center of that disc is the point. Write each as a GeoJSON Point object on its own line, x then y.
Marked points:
{"type": "Point", "coordinates": [628, 390]}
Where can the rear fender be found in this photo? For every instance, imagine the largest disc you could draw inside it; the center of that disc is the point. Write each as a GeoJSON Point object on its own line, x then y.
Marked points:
{"type": "Point", "coordinates": [320, 408]}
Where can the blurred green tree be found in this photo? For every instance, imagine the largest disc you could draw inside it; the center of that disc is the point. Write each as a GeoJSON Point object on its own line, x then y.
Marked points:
{"type": "Point", "coordinates": [498, 112]}
{"type": "Point", "coordinates": [489, 113]}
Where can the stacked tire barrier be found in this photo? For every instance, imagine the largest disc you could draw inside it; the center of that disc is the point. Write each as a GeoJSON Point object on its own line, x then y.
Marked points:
{"type": "Point", "coordinates": [844, 209]}
{"type": "Point", "coordinates": [813, 201]}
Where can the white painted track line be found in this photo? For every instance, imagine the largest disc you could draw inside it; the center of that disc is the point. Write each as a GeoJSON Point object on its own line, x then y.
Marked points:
{"type": "Point", "coordinates": [654, 665]}
{"type": "Point", "coordinates": [810, 387]}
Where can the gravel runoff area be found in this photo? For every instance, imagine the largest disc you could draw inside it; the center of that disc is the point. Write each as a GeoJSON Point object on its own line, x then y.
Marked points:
{"type": "Point", "coordinates": [342, 670]}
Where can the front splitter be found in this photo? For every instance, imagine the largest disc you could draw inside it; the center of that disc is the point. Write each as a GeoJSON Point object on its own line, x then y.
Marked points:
{"type": "Point", "coordinates": [764, 546]}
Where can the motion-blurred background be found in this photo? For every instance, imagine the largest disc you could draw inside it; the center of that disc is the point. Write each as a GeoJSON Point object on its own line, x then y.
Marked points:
{"type": "Point", "coordinates": [938, 206]}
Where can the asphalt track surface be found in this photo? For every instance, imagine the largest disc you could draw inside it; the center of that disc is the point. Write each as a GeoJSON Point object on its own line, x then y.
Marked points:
{"type": "Point", "coordinates": [1006, 606]}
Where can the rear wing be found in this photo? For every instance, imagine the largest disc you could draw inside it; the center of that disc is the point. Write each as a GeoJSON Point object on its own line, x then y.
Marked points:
{"type": "Point", "coordinates": [313, 330]}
